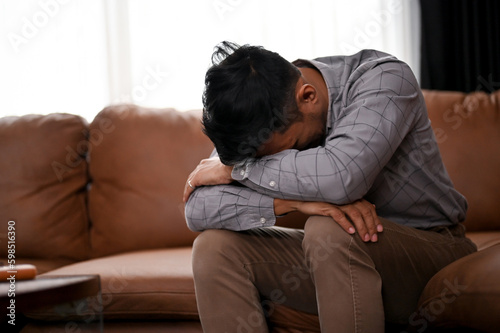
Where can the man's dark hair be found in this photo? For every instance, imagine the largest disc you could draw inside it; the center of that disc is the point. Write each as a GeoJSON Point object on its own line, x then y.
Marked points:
{"type": "Point", "coordinates": [249, 94]}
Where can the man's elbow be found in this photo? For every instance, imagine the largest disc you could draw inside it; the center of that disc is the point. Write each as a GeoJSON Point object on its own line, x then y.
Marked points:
{"type": "Point", "coordinates": [194, 222]}
{"type": "Point", "coordinates": [350, 193]}
{"type": "Point", "coordinates": [195, 227]}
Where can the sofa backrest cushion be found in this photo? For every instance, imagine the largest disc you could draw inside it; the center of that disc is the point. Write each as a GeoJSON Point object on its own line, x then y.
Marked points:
{"type": "Point", "coordinates": [43, 179]}
{"type": "Point", "coordinates": [140, 159]}
{"type": "Point", "coordinates": [467, 128]}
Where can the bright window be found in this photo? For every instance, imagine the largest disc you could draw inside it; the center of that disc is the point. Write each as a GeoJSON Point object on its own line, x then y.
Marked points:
{"type": "Point", "coordinates": [78, 56]}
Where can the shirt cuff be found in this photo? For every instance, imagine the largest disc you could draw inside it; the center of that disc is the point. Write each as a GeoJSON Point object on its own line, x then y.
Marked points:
{"type": "Point", "coordinates": [265, 217]}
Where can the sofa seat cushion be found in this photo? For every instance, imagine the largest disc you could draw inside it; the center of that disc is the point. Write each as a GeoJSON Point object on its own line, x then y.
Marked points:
{"type": "Point", "coordinates": [152, 284]}
{"type": "Point", "coordinates": [484, 239]}
{"type": "Point", "coordinates": [465, 293]}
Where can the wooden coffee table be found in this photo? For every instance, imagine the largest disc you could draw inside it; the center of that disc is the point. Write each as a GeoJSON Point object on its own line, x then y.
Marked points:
{"type": "Point", "coordinates": [47, 291]}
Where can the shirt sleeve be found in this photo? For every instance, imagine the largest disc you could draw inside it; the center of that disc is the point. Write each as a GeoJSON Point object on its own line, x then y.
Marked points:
{"type": "Point", "coordinates": [377, 109]}
{"type": "Point", "coordinates": [228, 207]}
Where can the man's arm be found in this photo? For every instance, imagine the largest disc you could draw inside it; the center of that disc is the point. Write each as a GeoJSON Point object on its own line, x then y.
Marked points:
{"type": "Point", "coordinates": [225, 206]}
{"type": "Point", "coordinates": [360, 214]}
{"type": "Point", "coordinates": [239, 208]}
{"type": "Point", "coordinates": [377, 113]}
{"type": "Point", "coordinates": [228, 207]}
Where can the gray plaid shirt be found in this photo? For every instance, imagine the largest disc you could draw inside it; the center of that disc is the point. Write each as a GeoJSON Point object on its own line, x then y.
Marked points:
{"type": "Point", "coordinates": [380, 146]}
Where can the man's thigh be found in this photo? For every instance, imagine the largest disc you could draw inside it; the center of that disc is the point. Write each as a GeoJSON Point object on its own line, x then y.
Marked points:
{"type": "Point", "coordinates": [274, 261]}
{"type": "Point", "coordinates": [406, 258]}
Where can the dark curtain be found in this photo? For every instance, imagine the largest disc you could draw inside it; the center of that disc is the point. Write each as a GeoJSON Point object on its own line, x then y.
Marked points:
{"type": "Point", "coordinates": [460, 47]}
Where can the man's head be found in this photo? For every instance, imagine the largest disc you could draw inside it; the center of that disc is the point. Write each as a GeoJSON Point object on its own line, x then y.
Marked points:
{"type": "Point", "coordinates": [250, 103]}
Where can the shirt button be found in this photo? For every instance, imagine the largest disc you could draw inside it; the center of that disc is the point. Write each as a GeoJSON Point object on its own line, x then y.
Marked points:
{"type": "Point", "coordinates": [262, 220]}
{"type": "Point", "coordinates": [272, 183]}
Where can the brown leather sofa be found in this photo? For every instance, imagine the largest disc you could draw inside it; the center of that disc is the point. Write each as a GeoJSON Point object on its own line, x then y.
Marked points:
{"type": "Point", "coordinates": [105, 198]}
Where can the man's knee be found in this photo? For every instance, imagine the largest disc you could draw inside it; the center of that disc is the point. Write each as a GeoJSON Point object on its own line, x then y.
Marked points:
{"type": "Point", "coordinates": [324, 239]}
{"type": "Point", "coordinates": [210, 250]}
{"type": "Point", "coordinates": [322, 228]}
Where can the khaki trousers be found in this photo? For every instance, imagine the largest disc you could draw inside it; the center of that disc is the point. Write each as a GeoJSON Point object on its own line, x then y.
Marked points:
{"type": "Point", "coordinates": [353, 286]}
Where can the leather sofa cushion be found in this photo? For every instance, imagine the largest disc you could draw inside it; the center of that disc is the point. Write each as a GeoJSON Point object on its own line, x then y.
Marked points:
{"type": "Point", "coordinates": [467, 128]}
{"type": "Point", "coordinates": [465, 293]}
{"type": "Point", "coordinates": [151, 284]}
{"type": "Point", "coordinates": [140, 159]}
{"type": "Point", "coordinates": [43, 186]}
{"type": "Point", "coordinates": [484, 240]}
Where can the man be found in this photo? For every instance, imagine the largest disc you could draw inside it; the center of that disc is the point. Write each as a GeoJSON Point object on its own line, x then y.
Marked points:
{"type": "Point", "coordinates": [345, 140]}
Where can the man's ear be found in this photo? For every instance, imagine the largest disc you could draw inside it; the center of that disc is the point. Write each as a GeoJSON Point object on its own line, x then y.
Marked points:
{"type": "Point", "coordinates": [307, 93]}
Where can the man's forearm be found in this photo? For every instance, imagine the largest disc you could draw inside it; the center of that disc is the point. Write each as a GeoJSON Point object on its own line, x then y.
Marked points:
{"type": "Point", "coordinates": [228, 207]}
{"type": "Point", "coordinates": [282, 207]}
{"type": "Point", "coordinates": [359, 216]}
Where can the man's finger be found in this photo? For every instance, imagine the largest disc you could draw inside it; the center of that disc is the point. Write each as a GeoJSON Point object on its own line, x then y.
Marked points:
{"type": "Point", "coordinates": [188, 189]}
{"type": "Point", "coordinates": [367, 211]}
{"type": "Point", "coordinates": [372, 221]}
{"type": "Point", "coordinates": [338, 216]}
{"type": "Point", "coordinates": [370, 209]}
{"type": "Point", "coordinates": [186, 194]}
{"type": "Point", "coordinates": [358, 220]}
{"type": "Point", "coordinates": [378, 223]}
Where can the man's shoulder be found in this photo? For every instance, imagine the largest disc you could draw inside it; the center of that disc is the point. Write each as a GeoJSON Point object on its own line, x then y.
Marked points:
{"type": "Point", "coordinates": [357, 59]}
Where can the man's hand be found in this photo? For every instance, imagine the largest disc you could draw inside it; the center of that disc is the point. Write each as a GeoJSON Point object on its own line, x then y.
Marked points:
{"type": "Point", "coordinates": [361, 213]}
{"type": "Point", "coordinates": [210, 171]}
